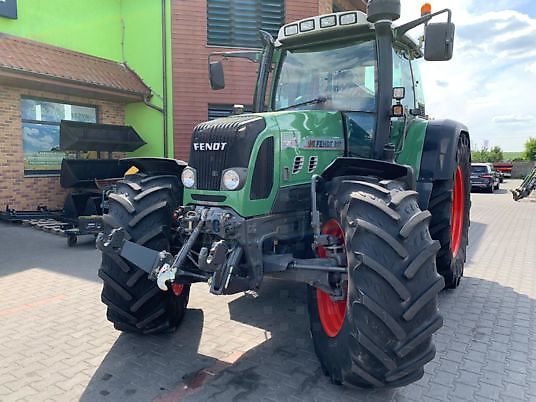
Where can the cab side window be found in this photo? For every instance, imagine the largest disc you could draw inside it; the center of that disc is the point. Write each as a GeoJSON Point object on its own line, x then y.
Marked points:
{"type": "Point", "coordinates": [402, 77]}
{"type": "Point", "coordinates": [419, 90]}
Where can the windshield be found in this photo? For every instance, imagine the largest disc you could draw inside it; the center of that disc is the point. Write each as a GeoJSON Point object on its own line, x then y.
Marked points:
{"type": "Point", "coordinates": [329, 78]}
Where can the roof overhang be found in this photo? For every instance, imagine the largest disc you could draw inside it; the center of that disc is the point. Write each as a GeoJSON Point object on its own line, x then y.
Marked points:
{"type": "Point", "coordinates": [40, 82]}
{"type": "Point", "coordinates": [35, 65]}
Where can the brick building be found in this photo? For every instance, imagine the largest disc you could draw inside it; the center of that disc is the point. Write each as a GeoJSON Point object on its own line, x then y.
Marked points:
{"type": "Point", "coordinates": [39, 86]}
{"type": "Point", "coordinates": [193, 100]}
{"type": "Point", "coordinates": [94, 62]}
{"type": "Point", "coordinates": [135, 62]}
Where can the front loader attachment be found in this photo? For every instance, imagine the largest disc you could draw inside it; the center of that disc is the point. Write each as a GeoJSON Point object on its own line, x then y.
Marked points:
{"type": "Point", "coordinates": [526, 187]}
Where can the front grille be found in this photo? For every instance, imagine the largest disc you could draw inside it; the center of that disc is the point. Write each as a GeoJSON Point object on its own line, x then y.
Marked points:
{"type": "Point", "coordinates": [222, 144]}
{"type": "Point", "coordinates": [208, 198]}
{"type": "Point", "coordinates": [209, 164]}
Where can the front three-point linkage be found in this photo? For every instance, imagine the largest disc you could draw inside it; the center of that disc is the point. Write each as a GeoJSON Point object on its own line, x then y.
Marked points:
{"type": "Point", "coordinates": [169, 272]}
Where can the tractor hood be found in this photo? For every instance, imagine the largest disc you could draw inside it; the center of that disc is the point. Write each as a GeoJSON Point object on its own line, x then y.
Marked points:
{"type": "Point", "coordinates": [221, 144]}
{"type": "Point", "coordinates": [274, 150]}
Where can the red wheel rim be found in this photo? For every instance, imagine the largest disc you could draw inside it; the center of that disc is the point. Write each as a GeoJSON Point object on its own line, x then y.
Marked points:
{"type": "Point", "coordinates": [331, 312]}
{"type": "Point", "coordinates": [457, 211]}
{"type": "Point", "coordinates": [177, 288]}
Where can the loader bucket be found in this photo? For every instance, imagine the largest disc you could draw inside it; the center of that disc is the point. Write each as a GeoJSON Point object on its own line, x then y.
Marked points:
{"type": "Point", "coordinates": [78, 136]}
{"type": "Point", "coordinates": [84, 172]}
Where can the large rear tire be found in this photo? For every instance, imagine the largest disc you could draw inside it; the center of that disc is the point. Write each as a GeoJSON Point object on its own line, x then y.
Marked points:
{"type": "Point", "coordinates": [381, 335]}
{"type": "Point", "coordinates": [449, 205]}
{"type": "Point", "coordinates": [143, 206]}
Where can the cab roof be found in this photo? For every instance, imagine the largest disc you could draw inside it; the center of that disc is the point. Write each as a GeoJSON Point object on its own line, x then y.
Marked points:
{"type": "Point", "coordinates": [329, 27]}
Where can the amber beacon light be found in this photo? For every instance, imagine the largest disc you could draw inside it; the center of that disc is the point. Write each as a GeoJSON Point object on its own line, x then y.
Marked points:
{"type": "Point", "coordinates": [426, 9]}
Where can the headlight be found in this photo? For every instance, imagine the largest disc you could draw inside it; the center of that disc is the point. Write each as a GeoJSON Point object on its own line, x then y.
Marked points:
{"type": "Point", "coordinates": [188, 177]}
{"type": "Point", "coordinates": [231, 180]}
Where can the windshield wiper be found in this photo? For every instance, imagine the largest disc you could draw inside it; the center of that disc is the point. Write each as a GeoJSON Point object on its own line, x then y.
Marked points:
{"type": "Point", "coordinates": [315, 101]}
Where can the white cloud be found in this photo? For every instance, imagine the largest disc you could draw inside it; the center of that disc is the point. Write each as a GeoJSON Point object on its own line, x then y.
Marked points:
{"type": "Point", "coordinates": [531, 68]}
{"type": "Point", "coordinates": [35, 139]}
{"type": "Point", "coordinates": [513, 119]}
{"type": "Point", "coordinates": [488, 81]}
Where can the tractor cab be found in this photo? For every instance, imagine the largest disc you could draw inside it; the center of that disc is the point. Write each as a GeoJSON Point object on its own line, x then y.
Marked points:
{"type": "Point", "coordinates": [350, 62]}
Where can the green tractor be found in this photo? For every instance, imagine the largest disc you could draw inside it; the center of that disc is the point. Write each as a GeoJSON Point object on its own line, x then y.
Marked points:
{"type": "Point", "coordinates": [337, 180]}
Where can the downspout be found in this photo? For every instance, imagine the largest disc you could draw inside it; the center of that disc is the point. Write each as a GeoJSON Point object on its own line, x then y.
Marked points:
{"type": "Point", "coordinates": [164, 81]}
{"type": "Point", "coordinates": [146, 102]}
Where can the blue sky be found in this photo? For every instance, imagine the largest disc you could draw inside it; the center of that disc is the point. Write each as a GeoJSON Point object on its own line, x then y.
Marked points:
{"type": "Point", "coordinates": [490, 84]}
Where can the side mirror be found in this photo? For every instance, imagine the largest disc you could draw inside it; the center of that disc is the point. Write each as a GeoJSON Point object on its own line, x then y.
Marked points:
{"type": "Point", "coordinates": [216, 75]}
{"type": "Point", "coordinates": [439, 41]}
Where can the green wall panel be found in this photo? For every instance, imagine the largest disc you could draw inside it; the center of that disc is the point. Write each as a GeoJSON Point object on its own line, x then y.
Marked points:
{"type": "Point", "coordinates": [91, 27]}
{"type": "Point", "coordinates": [126, 31]}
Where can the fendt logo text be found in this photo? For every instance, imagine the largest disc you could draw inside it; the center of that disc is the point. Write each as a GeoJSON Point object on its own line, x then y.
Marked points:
{"type": "Point", "coordinates": [208, 146]}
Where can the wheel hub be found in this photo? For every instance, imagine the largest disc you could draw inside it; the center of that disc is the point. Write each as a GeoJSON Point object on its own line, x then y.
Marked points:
{"type": "Point", "coordinates": [331, 312]}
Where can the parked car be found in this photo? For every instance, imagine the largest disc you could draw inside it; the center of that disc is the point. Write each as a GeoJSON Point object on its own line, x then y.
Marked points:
{"type": "Point", "coordinates": [484, 176]}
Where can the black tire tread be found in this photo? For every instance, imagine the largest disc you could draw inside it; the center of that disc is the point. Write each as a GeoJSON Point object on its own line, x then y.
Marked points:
{"type": "Point", "coordinates": [152, 190]}
{"type": "Point", "coordinates": [123, 201]}
{"type": "Point", "coordinates": [413, 222]}
{"type": "Point", "coordinates": [377, 351]}
{"type": "Point", "coordinates": [109, 281]}
{"type": "Point", "coordinates": [397, 285]}
{"type": "Point", "coordinates": [424, 299]}
{"type": "Point", "coordinates": [427, 253]}
{"type": "Point", "coordinates": [384, 316]}
{"type": "Point", "coordinates": [397, 199]}
{"type": "Point", "coordinates": [146, 212]}
{"type": "Point", "coordinates": [420, 336]}
{"type": "Point", "coordinates": [142, 206]}
{"type": "Point", "coordinates": [147, 237]}
{"type": "Point", "coordinates": [113, 307]}
{"type": "Point", "coordinates": [392, 287]}
{"type": "Point", "coordinates": [383, 235]}
{"type": "Point", "coordinates": [375, 203]}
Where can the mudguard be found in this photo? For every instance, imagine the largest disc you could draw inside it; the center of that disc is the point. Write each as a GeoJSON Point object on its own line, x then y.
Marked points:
{"type": "Point", "coordinates": [157, 166]}
{"type": "Point", "coordinates": [344, 166]}
{"type": "Point", "coordinates": [439, 149]}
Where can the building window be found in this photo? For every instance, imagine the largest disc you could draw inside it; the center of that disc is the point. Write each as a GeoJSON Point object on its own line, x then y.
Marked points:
{"type": "Point", "coordinates": [236, 23]}
{"type": "Point", "coordinates": [217, 111]}
{"type": "Point", "coordinates": [41, 132]}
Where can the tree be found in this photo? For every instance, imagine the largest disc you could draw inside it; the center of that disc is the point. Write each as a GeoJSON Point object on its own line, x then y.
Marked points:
{"type": "Point", "coordinates": [477, 156]}
{"type": "Point", "coordinates": [486, 155]}
{"type": "Point", "coordinates": [495, 155]}
{"type": "Point", "coordinates": [530, 149]}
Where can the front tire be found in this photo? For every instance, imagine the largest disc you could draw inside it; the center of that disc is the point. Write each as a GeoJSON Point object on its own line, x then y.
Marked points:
{"type": "Point", "coordinates": [384, 337]}
{"type": "Point", "coordinates": [143, 206]}
{"type": "Point", "coordinates": [449, 205]}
